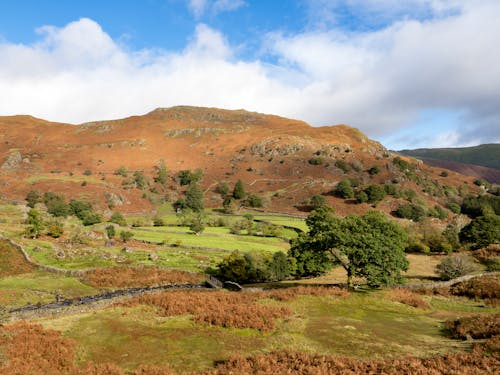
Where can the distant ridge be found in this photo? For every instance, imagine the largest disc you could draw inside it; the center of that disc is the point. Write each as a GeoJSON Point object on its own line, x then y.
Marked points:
{"type": "Point", "coordinates": [486, 155]}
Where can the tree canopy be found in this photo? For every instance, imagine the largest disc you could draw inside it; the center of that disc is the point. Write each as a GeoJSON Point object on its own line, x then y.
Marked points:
{"type": "Point", "coordinates": [368, 246]}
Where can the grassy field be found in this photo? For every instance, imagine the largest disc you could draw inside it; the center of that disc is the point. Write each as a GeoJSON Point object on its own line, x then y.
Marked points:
{"type": "Point", "coordinates": [216, 238]}
{"type": "Point", "coordinates": [363, 325]}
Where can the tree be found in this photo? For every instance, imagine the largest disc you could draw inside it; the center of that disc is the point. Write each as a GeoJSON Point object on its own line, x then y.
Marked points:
{"type": "Point", "coordinates": [55, 229]}
{"type": "Point", "coordinates": [239, 190]}
{"type": "Point", "coordinates": [110, 231]}
{"type": "Point", "coordinates": [126, 235]}
{"type": "Point", "coordinates": [375, 193]}
{"type": "Point", "coordinates": [197, 225]}
{"type": "Point", "coordinates": [344, 189]}
{"type": "Point", "coordinates": [254, 200]}
{"type": "Point", "coordinates": [35, 222]}
{"type": "Point", "coordinates": [33, 197]}
{"type": "Point", "coordinates": [456, 265]}
{"type": "Point", "coordinates": [162, 174]}
{"type": "Point", "coordinates": [140, 180]}
{"type": "Point", "coordinates": [56, 205]}
{"type": "Point", "coordinates": [280, 267]}
{"type": "Point", "coordinates": [118, 218]}
{"type": "Point", "coordinates": [223, 188]}
{"type": "Point", "coordinates": [481, 231]}
{"type": "Point", "coordinates": [194, 197]}
{"type": "Point", "coordinates": [367, 246]}
{"type": "Point", "coordinates": [79, 208]}
{"type": "Point", "coordinates": [317, 201]}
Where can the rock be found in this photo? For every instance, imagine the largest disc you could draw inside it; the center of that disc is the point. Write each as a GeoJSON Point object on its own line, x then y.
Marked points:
{"type": "Point", "coordinates": [109, 243]}
{"type": "Point", "coordinates": [114, 200]}
{"type": "Point", "coordinates": [127, 249]}
{"type": "Point", "coordinates": [153, 257]}
{"type": "Point", "coordinates": [36, 249]}
{"type": "Point", "coordinates": [231, 285]}
{"type": "Point", "coordinates": [13, 161]}
{"type": "Point", "coordinates": [60, 254]}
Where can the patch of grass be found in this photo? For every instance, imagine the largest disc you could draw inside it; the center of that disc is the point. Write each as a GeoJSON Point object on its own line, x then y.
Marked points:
{"type": "Point", "coordinates": [209, 240]}
{"type": "Point", "coordinates": [60, 177]}
{"type": "Point", "coordinates": [31, 288]}
{"type": "Point", "coordinates": [284, 221]}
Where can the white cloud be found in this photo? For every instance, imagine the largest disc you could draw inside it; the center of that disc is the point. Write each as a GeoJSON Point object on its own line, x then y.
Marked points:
{"type": "Point", "coordinates": [200, 7]}
{"type": "Point", "coordinates": [378, 81]}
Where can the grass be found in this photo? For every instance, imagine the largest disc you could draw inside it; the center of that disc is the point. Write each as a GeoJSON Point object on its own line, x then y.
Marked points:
{"type": "Point", "coordinates": [286, 221]}
{"type": "Point", "coordinates": [364, 325]}
{"type": "Point", "coordinates": [211, 240]}
{"type": "Point", "coordinates": [63, 177]}
{"type": "Point", "coordinates": [39, 286]}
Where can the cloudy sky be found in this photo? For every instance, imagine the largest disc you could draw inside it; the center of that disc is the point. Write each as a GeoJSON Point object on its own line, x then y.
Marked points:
{"type": "Point", "coordinates": [409, 73]}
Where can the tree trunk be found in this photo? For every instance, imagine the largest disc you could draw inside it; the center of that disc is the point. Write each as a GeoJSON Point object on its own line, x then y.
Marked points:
{"type": "Point", "coordinates": [349, 279]}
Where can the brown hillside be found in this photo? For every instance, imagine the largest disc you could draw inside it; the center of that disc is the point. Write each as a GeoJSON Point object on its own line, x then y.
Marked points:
{"type": "Point", "coordinates": [270, 154]}
{"type": "Point", "coordinates": [489, 174]}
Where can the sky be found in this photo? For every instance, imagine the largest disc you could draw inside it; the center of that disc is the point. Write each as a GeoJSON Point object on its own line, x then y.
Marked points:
{"type": "Point", "coordinates": [408, 73]}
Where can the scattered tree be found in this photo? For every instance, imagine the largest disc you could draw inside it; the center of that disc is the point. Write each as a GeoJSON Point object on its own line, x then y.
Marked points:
{"type": "Point", "coordinates": [110, 231]}
{"type": "Point", "coordinates": [126, 235]}
{"type": "Point", "coordinates": [118, 218]}
{"type": "Point", "coordinates": [33, 197]}
{"type": "Point", "coordinates": [194, 197]}
{"type": "Point", "coordinates": [481, 231]}
{"type": "Point", "coordinates": [35, 223]}
{"type": "Point", "coordinates": [239, 190]}
{"type": "Point", "coordinates": [344, 189]}
{"type": "Point", "coordinates": [367, 246]}
{"type": "Point", "coordinates": [161, 174]}
{"type": "Point", "coordinates": [456, 265]}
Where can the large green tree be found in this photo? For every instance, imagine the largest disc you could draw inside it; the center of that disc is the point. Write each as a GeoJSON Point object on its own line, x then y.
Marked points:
{"type": "Point", "coordinates": [481, 231]}
{"type": "Point", "coordinates": [369, 246]}
{"type": "Point", "coordinates": [194, 197]}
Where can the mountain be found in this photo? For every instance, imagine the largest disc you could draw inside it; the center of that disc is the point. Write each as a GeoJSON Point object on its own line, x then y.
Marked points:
{"type": "Point", "coordinates": [481, 161]}
{"type": "Point", "coordinates": [285, 161]}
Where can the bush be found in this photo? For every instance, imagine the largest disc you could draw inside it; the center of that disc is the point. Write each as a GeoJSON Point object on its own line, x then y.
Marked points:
{"type": "Point", "coordinates": [158, 221]}
{"type": "Point", "coordinates": [456, 265]}
{"type": "Point", "coordinates": [239, 190]}
{"type": "Point", "coordinates": [55, 229]}
{"type": "Point", "coordinates": [341, 164]}
{"type": "Point", "coordinates": [374, 170]}
{"type": "Point", "coordinates": [122, 171]}
{"type": "Point", "coordinates": [411, 211]}
{"type": "Point", "coordinates": [344, 189]}
{"type": "Point", "coordinates": [254, 200]}
{"type": "Point", "coordinates": [317, 160]}
{"type": "Point", "coordinates": [118, 218]}
{"type": "Point", "coordinates": [408, 298]}
{"type": "Point", "coordinates": [361, 197]}
{"type": "Point", "coordinates": [87, 172]}
{"type": "Point", "coordinates": [453, 207]}
{"type": "Point", "coordinates": [33, 197]}
{"type": "Point", "coordinates": [56, 204]}
{"type": "Point", "coordinates": [375, 193]}
{"type": "Point", "coordinates": [390, 189]}
{"type": "Point", "coordinates": [317, 201]}
{"type": "Point", "coordinates": [110, 231]}
{"type": "Point", "coordinates": [477, 327]}
{"type": "Point", "coordinates": [481, 231]}
{"type": "Point", "coordinates": [91, 218]}
{"type": "Point", "coordinates": [126, 235]}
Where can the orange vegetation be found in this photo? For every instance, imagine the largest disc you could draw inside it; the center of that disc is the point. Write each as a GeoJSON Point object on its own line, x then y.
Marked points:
{"type": "Point", "coordinates": [484, 287]}
{"type": "Point", "coordinates": [408, 298]}
{"type": "Point", "coordinates": [220, 308]}
{"type": "Point", "coordinates": [12, 261]}
{"type": "Point", "coordinates": [477, 327]}
{"type": "Point", "coordinates": [129, 277]}
{"type": "Point", "coordinates": [483, 359]}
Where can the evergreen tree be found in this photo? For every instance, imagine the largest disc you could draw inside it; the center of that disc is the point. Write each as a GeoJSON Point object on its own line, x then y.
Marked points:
{"type": "Point", "coordinates": [239, 190]}
{"type": "Point", "coordinates": [194, 197]}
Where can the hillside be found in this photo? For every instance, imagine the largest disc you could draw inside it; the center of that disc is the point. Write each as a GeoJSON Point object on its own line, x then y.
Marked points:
{"type": "Point", "coordinates": [284, 161]}
{"type": "Point", "coordinates": [487, 155]}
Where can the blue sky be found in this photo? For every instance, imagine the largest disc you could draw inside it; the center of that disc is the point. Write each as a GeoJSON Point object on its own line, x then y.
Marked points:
{"type": "Point", "coordinates": [413, 73]}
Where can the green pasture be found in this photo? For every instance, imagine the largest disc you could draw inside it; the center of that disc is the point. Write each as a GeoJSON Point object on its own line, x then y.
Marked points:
{"type": "Point", "coordinates": [40, 287]}
{"type": "Point", "coordinates": [214, 240]}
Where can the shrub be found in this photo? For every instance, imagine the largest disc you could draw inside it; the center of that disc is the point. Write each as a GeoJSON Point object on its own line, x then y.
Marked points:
{"type": "Point", "coordinates": [453, 207]}
{"type": "Point", "coordinates": [239, 190]}
{"type": "Point", "coordinates": [87, 172]}
{"type": "Point", "coordinates": [118, 218]}
{"type": "Point", "coordinates": [122, 171]}
{"type": "Point", "coordinates": [91, 218]}
{"type": "Point", "coordinates": [79, 208]}
{"type": "Point", "coordinates": [158, 221]}
{"type": "Point", "coordinates": [390, 189]}
{"type": "Point", "coordinates": [408, 298]}
{"type": "Point", "coordinates": [55, 229]}
{"type": "Point", "coordinates": [482, 287]}
{"type": "Point", "coordinates": [126, 235]}
{"type": "Point", "coordinates": [110, 231]}
{"type": "Point", "coordinates": [316, 160]}
{"type": "Point", "coordinates": [254, 200]}
{"type": "Point", "coordinates": [444, 174]}
{"type": "Point", "coordinates": [481, 231]}
{"type": "Point", "coordinates": [374, 170]}
{"type": "Point", "coordinates": [33, 197]}
{"type": "Point", "coordinates": [344, 189]}
{"type": "Point", "coordinates": [341, 164]}
{"type": "Point", "coordinates": [56, 204]}
{"type": "Point", "coordinates": [223, 188]}
{"type": "Point", "coordinates": [477, 326]}
{"type": "Point", "coordinates": [140, 180]}
{"type": "Point", "coordinates": [375, 193]}
{"type": "Point", "coordinates": [317, 201]}
{"type": "Point", "coordinates": [361, 197]}
{"type": "Point", "coordinates": [411, 211]}
{"type": "Point", "coordinates": [456, 265]}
